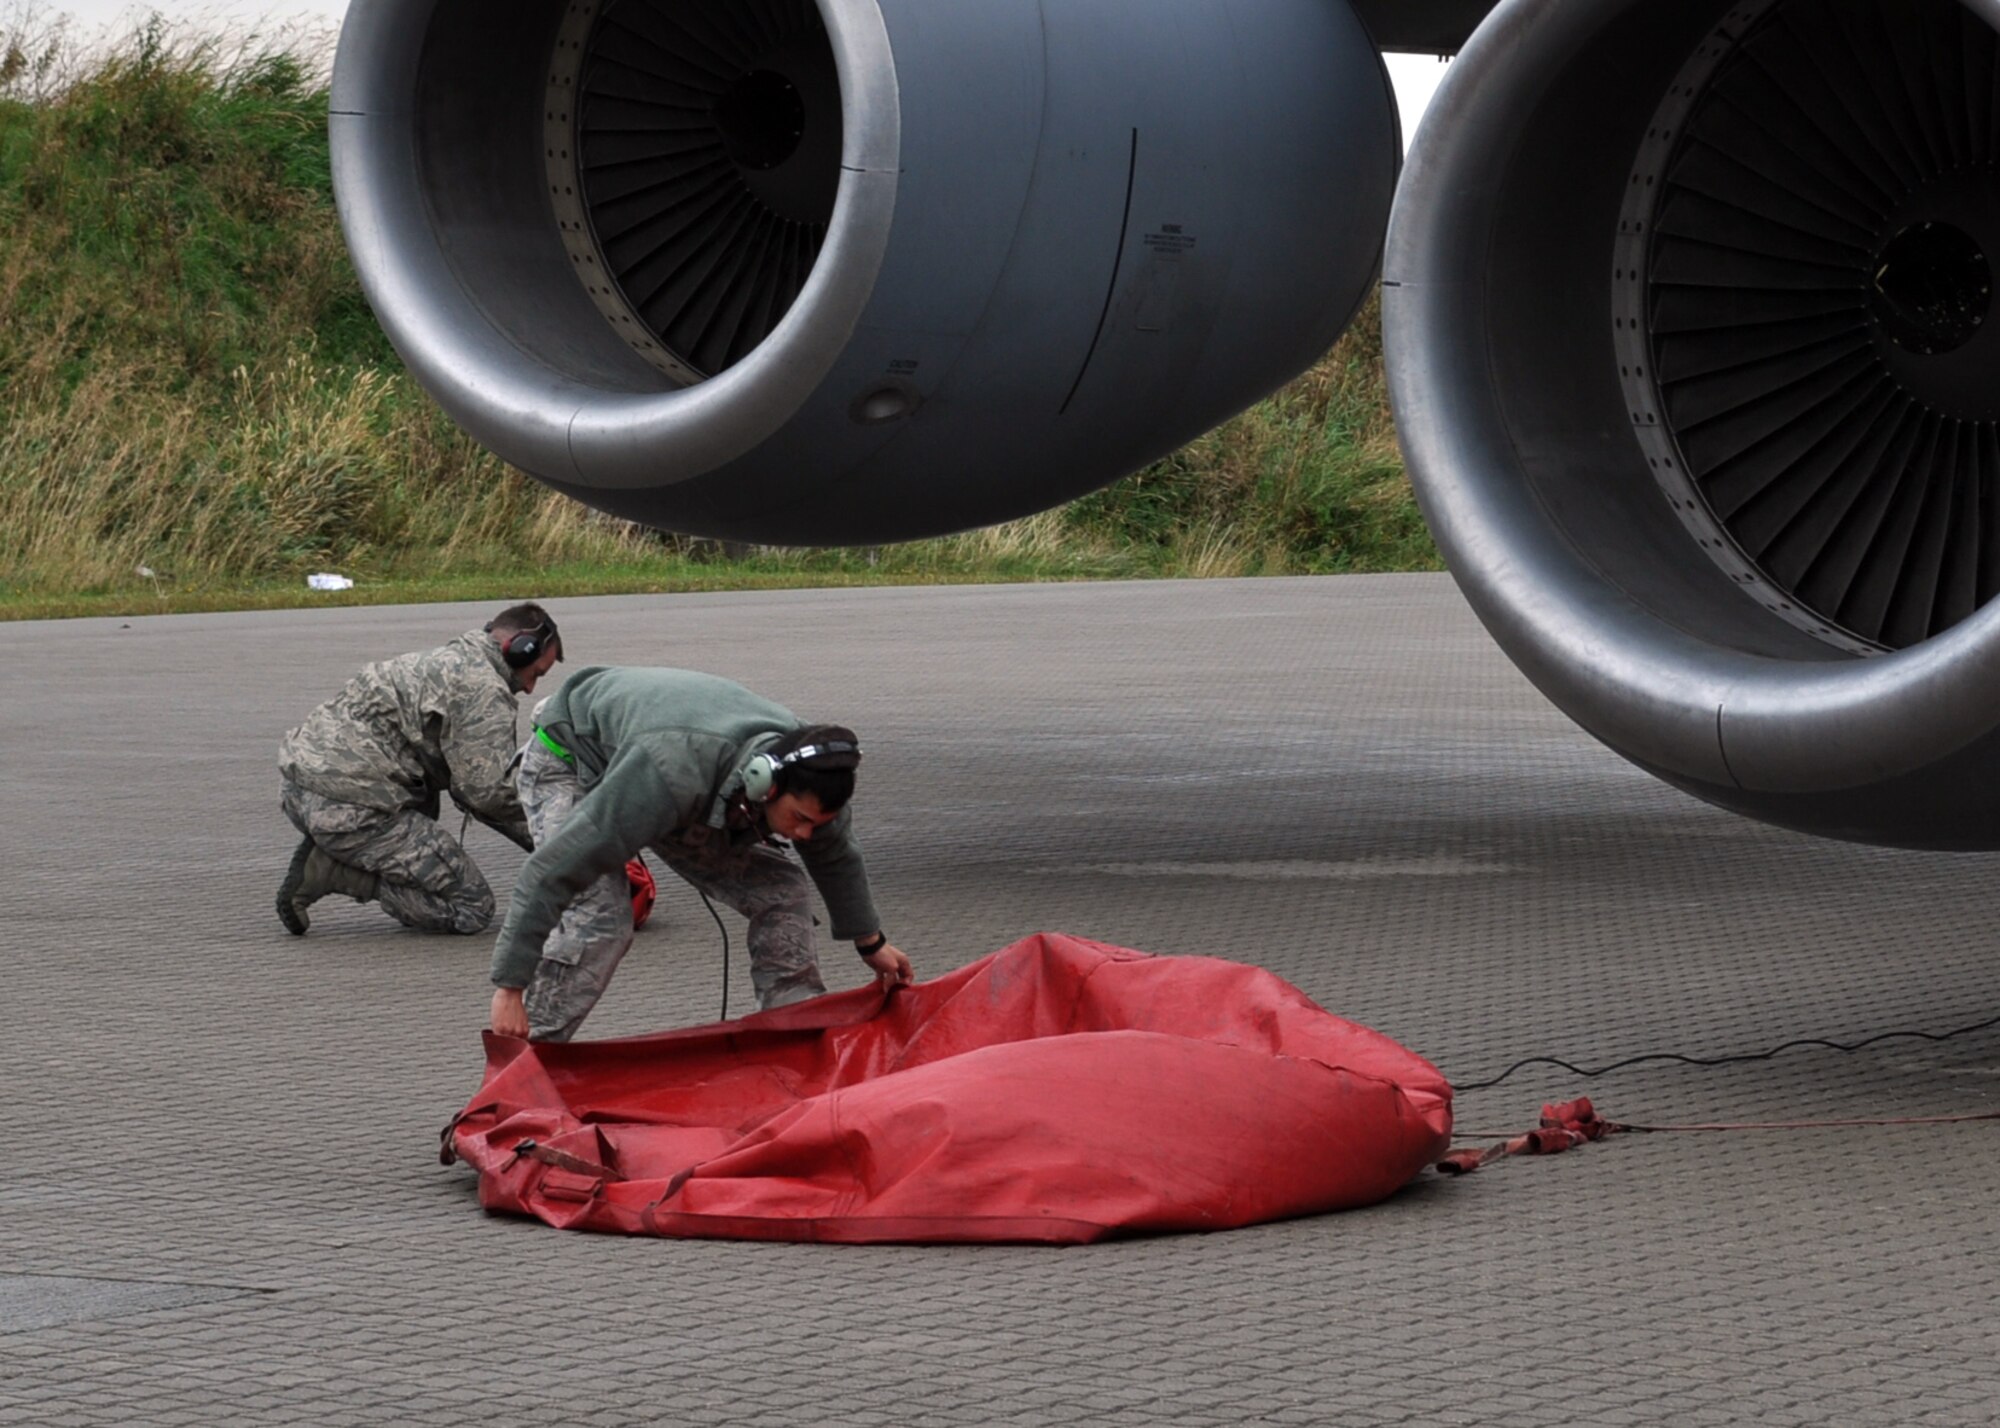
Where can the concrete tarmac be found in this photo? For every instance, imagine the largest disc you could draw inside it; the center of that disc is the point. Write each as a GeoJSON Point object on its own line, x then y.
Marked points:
{"type": "Point", "coordinates": [220, 1201]}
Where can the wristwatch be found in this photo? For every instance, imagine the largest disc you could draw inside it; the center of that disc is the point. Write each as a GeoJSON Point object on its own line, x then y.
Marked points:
{"type": "Point", "coordinates": [868, 948]}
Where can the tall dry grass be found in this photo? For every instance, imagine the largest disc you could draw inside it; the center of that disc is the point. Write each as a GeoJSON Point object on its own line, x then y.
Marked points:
{"type": "Point", "coordinates": [304, 466]}
{"type": "Point", "coordinates": [194, 386]}
{"type": "Point", "coordinates": [1308, 480]}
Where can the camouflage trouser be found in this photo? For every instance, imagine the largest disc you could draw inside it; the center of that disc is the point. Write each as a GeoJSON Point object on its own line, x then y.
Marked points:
{"type": "Point", "coordinates": [426, 879]}
{"type": "Point", "coordinates": [587, 945]}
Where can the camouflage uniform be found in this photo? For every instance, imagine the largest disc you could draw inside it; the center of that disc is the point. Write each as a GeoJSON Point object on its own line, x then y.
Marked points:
{"type": "Point", "coordinates": [365, 774]}
{"type": "Point", "coordinates": [588, 943]}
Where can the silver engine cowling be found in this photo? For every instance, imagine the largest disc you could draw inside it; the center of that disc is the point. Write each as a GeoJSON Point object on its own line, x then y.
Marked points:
{"type": "Point", "coordinates": [856, 270]}
{"type": "Point", "coordinates": [1692, 343]}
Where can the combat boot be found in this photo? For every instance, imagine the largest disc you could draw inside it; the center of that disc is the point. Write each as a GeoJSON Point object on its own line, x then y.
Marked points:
{"type": "Point", "coordinates": [294, 918]}
{"type": "Point", "coordinates": [311, 877]}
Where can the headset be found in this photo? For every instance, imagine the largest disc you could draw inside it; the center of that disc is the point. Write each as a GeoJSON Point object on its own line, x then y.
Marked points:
{"type": "Point", "coordinates": [524, 647]}
{"type": "Point", "coordinates": [760, 775]}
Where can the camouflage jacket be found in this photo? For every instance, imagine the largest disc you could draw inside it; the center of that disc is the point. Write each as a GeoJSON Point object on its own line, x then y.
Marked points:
{"type": "Point", "coordinates": [407, 730]}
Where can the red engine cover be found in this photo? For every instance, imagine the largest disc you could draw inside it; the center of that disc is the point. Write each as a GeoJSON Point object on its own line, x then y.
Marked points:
{"type": "Point", "coordinates": [1057, 1091]}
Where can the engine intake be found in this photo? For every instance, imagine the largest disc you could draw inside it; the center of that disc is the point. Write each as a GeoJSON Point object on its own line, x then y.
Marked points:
{"type": "Point", "coordinates": [837, 272]}
{"type": "Point", "coordinates": [1688, 311]}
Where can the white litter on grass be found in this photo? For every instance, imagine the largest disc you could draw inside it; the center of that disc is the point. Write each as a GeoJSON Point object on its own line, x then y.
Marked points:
{"type": "Point", "coordinates": [326, 580]}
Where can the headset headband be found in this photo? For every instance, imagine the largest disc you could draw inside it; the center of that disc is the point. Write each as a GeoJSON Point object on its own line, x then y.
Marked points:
{"type": "Point", "coordinates": [806, 753]}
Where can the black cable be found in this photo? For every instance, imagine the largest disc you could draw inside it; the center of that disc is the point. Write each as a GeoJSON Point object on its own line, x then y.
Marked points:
{"type": "Point", "coordinates": [1720, 1060]}
{"type": "Point", "coordinates": [724, 1016]}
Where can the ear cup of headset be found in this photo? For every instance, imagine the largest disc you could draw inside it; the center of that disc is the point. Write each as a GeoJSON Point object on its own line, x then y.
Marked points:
{"type": "Point", "coordinates": [760, 778]}
{"type": "Point", "coordinates": [522, 650]}
{"type": "Point", "coordinates": [524, 647]}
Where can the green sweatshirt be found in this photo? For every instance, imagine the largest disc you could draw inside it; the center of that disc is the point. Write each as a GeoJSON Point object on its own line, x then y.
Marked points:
{"type": "Point", "coordinates": [659, 753]}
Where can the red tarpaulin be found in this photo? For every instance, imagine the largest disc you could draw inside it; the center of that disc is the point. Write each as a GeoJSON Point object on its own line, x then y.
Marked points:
{"type": "Point", "coordinates": [1057, 1091]}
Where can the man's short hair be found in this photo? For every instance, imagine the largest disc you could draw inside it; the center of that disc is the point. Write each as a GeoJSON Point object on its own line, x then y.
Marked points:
{"type": "Point", "coordinates": [519, 619]}
{"type": "Point", "coordinates": [829, 778]}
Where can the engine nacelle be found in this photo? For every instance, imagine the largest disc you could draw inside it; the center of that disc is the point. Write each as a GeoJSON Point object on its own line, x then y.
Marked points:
{"type": "Point", "coordinates": [849, 271]}
{"type": "Point", "coordinates": [1689, 318]}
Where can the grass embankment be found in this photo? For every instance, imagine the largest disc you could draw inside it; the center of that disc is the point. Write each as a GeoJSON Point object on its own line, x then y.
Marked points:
{"type": "Point", "coordinates": [200, 409]}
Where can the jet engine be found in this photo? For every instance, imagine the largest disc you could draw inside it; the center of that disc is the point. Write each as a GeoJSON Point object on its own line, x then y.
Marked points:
{"type": "Point", "coordinates": [843, 271]}
{"type": "Point", "coordinates": [1690, 322]}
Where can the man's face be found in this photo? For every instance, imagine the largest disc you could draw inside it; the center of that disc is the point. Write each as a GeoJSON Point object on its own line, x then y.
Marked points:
{"type": "Point", "coordinates": [796, 816]}
{"type": "Point", "coordinates": [539, 668]}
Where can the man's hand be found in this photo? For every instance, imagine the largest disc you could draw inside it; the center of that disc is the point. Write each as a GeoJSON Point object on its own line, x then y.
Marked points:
{"type": "Point", "coordinates": [891, 966]}
{"type": "Point", "coordinates": [510, 1017]}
